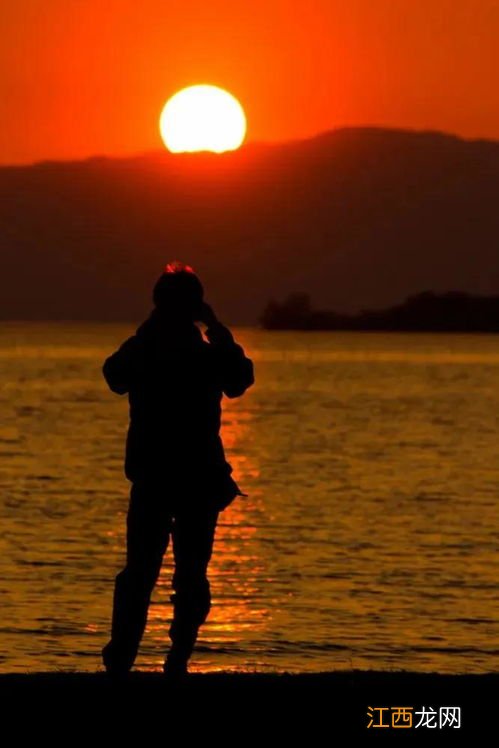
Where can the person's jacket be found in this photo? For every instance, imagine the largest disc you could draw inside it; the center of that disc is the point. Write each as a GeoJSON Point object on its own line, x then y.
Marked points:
{"type": "Point", "coordinates": [175, 380]}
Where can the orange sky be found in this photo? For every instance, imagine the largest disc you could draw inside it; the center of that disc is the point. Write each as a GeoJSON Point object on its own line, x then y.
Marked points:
{"type": "Point", "coordinates": [84, 77]}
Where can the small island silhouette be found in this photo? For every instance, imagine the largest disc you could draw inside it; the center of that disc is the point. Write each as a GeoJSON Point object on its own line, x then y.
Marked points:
{"type": "Point", "coordinates": [453, 311]}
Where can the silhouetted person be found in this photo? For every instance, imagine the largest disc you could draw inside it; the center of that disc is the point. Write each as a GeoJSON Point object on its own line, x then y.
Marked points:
{"type": "Point", "coordinates": [175, 460]}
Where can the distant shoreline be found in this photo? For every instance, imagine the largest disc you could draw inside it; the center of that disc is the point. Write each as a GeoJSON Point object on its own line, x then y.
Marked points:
{"type": "Point", "coordinates": [454, 311]}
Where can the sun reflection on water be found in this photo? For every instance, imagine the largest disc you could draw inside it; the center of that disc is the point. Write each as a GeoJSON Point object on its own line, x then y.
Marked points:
{"type": "Point", "coordinates": [367, 539]}
{"type": "Point", "coordinates": [238, 603]}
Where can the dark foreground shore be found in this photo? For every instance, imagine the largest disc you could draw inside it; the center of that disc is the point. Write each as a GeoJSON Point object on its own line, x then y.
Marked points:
{"type": "Point", "coordinates": [336, 701]}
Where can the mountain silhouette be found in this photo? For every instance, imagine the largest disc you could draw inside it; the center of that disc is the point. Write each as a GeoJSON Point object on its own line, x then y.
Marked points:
{"type": "Point", "coordinates": [357, 218]}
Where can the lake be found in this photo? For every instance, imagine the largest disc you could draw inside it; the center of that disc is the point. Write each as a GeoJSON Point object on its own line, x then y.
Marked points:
{"type": "Point", "coordinates": [368, 539]}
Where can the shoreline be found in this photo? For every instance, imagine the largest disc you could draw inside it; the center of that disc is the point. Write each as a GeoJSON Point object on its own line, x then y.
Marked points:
{"type": "Point", "coordinates": [352, 678]}
{"type": "Point", "coordinates": [369, 683]}
{"type": "Point", "coordinates": [336, 700]}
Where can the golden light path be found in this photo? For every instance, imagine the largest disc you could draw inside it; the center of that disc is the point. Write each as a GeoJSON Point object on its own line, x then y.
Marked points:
{"type": "Point", "coordinates": [202, 118]}
{"type": "Point", "coordinates": [238, 608]}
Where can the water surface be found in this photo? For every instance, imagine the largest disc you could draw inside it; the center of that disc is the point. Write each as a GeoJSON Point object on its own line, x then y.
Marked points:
{"type": "Point", "coordinates": [369, 538]}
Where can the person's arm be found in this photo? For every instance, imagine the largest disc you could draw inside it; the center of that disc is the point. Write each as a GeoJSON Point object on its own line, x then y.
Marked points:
{"type": "Point", "coordinates": [236, 369]}
{"type": "Point", "coordinates": [119, 368]}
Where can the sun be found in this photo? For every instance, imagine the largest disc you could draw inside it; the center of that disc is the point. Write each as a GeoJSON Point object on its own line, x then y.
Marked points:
{"type": "Point", "coordinates": [202, 118]}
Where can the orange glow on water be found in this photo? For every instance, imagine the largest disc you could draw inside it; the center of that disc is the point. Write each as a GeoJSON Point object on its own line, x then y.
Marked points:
{"type": "Point", "coordinates": [237, 606]}
{"type": "Point", "coordinates": [358, 545]}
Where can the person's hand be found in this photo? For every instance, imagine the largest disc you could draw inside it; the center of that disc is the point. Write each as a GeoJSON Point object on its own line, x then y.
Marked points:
{"type": "Point", "coordinates": [207, 315]}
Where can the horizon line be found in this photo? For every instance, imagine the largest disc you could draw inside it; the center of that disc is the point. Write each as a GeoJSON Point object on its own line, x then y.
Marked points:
{"type": "Point", "coordinates": [246, 144]}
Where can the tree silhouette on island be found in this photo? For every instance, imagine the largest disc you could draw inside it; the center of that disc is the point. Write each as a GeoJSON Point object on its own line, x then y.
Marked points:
{"type": "Point", "coordinates": [453, 311]}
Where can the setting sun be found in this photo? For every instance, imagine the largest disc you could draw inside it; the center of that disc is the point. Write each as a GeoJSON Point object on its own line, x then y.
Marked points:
{"type": "Point", "coordinates": [202, 118]}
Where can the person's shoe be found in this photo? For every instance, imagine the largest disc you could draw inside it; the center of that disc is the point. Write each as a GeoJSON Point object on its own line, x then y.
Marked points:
{"type": "Point", "coordinates": [175, 668]}
{"type": "Point", "coordinates": [114, 666]}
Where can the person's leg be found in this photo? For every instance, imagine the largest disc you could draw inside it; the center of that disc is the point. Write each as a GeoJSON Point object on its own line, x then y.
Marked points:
{"type": "Point", "coordinates": [148, 528]}
{"type": "Point", "coordinates": [193, 534]}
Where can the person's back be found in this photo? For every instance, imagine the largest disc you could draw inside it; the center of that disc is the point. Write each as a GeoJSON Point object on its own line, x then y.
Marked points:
{"type": "Point", "coordinates": [175, 380]}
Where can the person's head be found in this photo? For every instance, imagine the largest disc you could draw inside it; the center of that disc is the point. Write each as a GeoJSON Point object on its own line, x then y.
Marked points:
{"type": "Point", "coordinates": [178, 292]}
